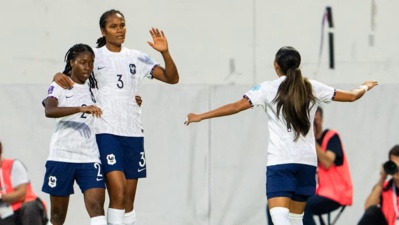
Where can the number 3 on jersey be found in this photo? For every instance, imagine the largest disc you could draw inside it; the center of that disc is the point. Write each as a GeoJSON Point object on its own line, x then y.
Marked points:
{"type": "Point", "coordinates": [120, 81]}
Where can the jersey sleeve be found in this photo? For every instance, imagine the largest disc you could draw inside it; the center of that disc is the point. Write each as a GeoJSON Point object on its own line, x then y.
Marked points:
{"type": "Point", "coordinates": [323, 92]}
{"type": "Point", "coordinates": [147, 64]}
{"type": "Point", "coordinates": [55, 91]}
{"type": "Point", "coordinates": [19, 174]}
{"type": "Point", "coordinates": [257, 96]}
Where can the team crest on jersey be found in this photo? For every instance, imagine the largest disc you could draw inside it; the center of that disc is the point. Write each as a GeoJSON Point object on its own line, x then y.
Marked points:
{"type": "Point", "coordinates": [111, 159]}
{"type": "Point", "coordinates": [52, 181]}
{"type": "Point", "coordinates": [132, 68]}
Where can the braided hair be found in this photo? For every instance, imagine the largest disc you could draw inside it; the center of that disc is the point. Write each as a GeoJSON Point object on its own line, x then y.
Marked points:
{"type": "Point", "coordinates": [71, 54]}
{"type": "Point", "coordinates": [103, 20]}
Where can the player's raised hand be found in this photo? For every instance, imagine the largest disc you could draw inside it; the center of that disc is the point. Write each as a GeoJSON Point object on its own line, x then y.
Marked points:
{"type": "Point", "coordinates": [159, 40]}
{"type": "Point", "coordinates": [370, 84]}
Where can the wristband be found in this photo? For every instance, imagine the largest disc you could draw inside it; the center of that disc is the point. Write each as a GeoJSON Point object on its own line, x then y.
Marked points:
{"type": "Point", "coordinates": [364, 87]}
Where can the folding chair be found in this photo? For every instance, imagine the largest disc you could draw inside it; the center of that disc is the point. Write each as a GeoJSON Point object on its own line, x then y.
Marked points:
{"type": "Point", "coordinates": [329, 217]}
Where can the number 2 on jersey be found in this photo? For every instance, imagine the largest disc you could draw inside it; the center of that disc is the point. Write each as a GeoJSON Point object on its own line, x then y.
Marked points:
{"type": "Point", "coordinates": [83, 114]}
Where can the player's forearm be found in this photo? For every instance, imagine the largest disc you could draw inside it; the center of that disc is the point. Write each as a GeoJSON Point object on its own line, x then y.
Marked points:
{"type": "Point", "coordinates": [225, 110]}
{"type": "Point", "coordinates": [349, 96]}
{"type": "Point", "coordinates": [57, 112]}
{"type": "Point", "coordinates": [171, 73]}
{"type": "Point", "coordinates": [326, 158]}
{"type": "Point", "coordinates": [17, 195]}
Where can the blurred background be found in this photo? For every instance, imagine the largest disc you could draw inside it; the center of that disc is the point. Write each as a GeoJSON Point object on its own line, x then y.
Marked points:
{"type": "Point", "coordinates": [211, 173]}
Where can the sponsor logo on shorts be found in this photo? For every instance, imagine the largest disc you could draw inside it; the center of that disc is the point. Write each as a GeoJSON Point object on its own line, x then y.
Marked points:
{"type": "Point", "coordinates": [52, 181]}
{"type": "Point", "coordinates": [139, 170]}
{"type": "Point", "coordinates": [111, 159]}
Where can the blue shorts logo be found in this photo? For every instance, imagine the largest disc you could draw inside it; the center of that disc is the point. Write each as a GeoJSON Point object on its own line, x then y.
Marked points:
{"type": "Point", "coordinates": [132, 68]}
{"type": "Point", "coordinates": [111, 159]}
{"type": "Point", "coordinates": [52, 181]}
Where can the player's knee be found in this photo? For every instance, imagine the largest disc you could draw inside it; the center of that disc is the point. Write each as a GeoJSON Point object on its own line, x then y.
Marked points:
{"type": "Point", "coordinates": [95, 208]}
{"type": "Point", "coordinates": [118, 197]}
{"type": "Point", "coordinates": [57, 216]}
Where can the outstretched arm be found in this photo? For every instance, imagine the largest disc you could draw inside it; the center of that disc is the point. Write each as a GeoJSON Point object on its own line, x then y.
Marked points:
{"type": "Point", "coordinates": [355, 94]}
{"type": "Point", "coordinates": [169, 74]}
{"type": "Point", "coordinates": [225, 110]}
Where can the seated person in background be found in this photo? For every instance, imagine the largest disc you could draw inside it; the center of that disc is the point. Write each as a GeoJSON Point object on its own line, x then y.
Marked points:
{"type": "Point", "coordinates": [19, 205]}
{"type": "Point", "coordinates": [334, 188]}
{"type": "Point", "coordinates": [382, 204]}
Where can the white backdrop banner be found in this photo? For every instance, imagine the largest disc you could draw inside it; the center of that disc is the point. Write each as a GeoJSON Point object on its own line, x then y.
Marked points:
{"type": "Point", "coordinates": [213, 172]}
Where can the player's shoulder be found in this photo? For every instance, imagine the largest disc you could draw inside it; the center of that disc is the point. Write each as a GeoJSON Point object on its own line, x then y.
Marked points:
{"type": "Point", "coordinates": [315, 82]}
{"type": "Point", "coordinates": [131, 52]}
{"type": "Point", "coordinates": [54, 87]}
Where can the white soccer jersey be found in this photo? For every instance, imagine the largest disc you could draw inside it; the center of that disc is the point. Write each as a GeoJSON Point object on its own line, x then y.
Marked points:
{"type": "Point", "coordinates": [118, 76]}
{"type": "Point", "coordinates": [73, 138]}
{"type": "Point", "coordinates": [282, 148]}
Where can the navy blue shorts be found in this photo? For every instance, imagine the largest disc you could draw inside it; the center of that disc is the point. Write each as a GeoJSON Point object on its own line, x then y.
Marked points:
{"type": "Point", "coordinates": [125, 154]}
{"type": "Point", "coordinates": [295, 181]}
{"type": "Point", "coordinates": [60, 177]}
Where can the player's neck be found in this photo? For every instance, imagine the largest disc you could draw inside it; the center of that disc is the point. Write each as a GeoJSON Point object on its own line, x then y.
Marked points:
{"type": "Point", "coordinates": [113, 48]}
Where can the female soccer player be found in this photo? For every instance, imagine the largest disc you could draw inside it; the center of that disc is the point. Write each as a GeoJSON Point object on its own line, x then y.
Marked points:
{"type": "Point", "coordinates": [290, 102]}
{"type": "Point", "coordinates": [74, 154]}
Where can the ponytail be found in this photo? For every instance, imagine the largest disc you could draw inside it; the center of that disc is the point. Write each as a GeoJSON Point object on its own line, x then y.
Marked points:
{"type": "Point", "coordinates": [101, 42]}
{"type": "Point", "coordinates": [294, 97]}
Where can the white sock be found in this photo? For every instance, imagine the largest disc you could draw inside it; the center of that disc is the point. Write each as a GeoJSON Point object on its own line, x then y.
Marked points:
{"type": "Point", "coordinates": [296, 219]}
{"type": "Point", "coordinates": [130, 218]}
{"type": "Point", "coordinates": [280, 216]}
{"type": "Point", "coordinates": [98, 220]}
{"type": "Point", "coordinates": [115, 216]}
